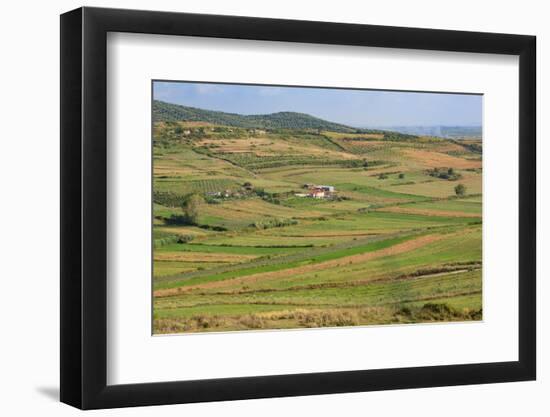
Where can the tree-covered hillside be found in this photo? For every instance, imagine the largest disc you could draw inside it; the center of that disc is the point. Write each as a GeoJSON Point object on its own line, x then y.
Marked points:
{"type": "Point", "coordinates": [163, 111]}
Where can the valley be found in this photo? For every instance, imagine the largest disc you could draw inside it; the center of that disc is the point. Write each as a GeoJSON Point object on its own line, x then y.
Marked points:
{"type": "Point", "coordinates": [288, 221]}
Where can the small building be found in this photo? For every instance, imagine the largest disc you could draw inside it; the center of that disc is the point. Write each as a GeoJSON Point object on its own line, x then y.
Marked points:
{"type": "Point", "coordinates": [327, 188]}
{"type": "Point", "coordinates": [317, 193]}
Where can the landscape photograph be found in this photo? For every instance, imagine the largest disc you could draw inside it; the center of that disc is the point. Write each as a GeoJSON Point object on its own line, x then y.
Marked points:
{"type": "Point", "coordinates": [282, 207]}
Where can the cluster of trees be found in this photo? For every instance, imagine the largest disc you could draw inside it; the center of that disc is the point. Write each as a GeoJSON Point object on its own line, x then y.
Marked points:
{"type": "Point", "coordinates": [269, 197]}
{"type": "Point", "coordinates": [396, 136]}
{"type": "Point", "coordinates": [163, 112]}
{"type": "Point", "coordinates": [444, 174]}
{"type": "Point", "coordinates": [358, 163]}
{"type": "Point", "coordinates": [474, 147]}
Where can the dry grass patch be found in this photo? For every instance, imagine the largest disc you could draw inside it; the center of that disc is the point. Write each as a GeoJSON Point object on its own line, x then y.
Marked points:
{"type": "Point", "coordinates": [184, 230]}
{"type": "Point", "coordinates": [318, 318]}
{"type": "Point", "coordinates": [431, 159]}
{"type": "Point", "coordinates": [202, 257]}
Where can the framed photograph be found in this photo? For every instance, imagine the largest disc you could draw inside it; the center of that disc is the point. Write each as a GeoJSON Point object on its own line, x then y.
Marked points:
{"type": "Point", "coordinates": [259, 208]}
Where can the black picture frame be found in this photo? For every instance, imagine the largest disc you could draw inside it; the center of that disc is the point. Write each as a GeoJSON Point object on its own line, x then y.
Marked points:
{"type": "Point", "coordinates": [84, 207]}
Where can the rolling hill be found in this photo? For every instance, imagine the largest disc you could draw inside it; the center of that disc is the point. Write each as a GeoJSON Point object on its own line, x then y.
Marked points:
{"type": "Point", "coordinates": [317, 226]}
{"type": "Point", "coordinates": [163, 112]}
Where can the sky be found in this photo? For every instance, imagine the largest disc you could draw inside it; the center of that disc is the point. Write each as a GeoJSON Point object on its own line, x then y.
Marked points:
{"type": "Point", "coordinates": [357, 108]}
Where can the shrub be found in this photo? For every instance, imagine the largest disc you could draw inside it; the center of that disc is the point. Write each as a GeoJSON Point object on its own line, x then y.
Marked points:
{"type": "Point", "coordinates": [270, 223]}
{"type": "Point", "coordinates": [327, 318]}
{"type": "Point", "coordinates": [214, 228]}
{"type": "Point", "coordinates": [184, 238]}
{"type": "Point", "coordinates": [178, 220]}
{"type": "Point", "coordinates": [460, 190]}
{"type": "Point", "coordinates": [437, 312]}
{"type": "Point", "coordinates": [157, 243]}
{"type": "Point", "coordinates": [438, 309]}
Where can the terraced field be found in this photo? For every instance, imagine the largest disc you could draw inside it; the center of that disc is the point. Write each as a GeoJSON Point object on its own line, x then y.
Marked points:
{"type": "Point", "coordinates": [240, 243]}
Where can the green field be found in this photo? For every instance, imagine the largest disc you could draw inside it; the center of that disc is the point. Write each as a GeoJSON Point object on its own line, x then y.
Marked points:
{"type": "Point", "coordinates": [241, 243]}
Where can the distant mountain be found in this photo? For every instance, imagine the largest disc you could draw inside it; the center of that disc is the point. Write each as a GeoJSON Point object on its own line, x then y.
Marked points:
{"type": "Point", "coordinates": [448, 132]}
{"type": "Point", "coordinates": [163, 112]}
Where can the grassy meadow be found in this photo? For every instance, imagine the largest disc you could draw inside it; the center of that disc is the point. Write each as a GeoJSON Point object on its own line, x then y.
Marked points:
{"type": "Point", "coordinates": [240, 243]}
